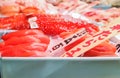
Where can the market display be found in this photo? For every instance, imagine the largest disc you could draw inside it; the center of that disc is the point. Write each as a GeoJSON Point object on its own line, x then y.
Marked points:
{"type": "Point", "coordinates": [38, 24]}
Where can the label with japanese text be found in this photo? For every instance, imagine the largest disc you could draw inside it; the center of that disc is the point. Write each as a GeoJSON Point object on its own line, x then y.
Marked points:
{"type": "Point", "coordinates": [118, 48]}
{"type": "Point", "coordinates": [112, 29]}
{"type": "Point", "coordinates": [71, 39]}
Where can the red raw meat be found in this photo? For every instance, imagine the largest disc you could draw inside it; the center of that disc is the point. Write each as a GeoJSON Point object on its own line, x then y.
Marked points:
{"type": "Point", "coordinates": [14, 22]}
{"type": "Point", "coordinates": [27, 43]}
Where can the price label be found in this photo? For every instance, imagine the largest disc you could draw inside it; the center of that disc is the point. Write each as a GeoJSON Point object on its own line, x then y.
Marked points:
{"type": "Point", "coordinates": [67, 41]}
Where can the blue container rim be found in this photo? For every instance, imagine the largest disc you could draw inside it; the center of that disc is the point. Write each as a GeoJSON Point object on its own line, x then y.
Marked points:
{"type": "Point", "coordinates": [63, 58]}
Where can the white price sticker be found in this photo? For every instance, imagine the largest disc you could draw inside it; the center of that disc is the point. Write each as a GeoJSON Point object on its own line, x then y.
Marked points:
{"type": "Point", "coordinates": [32, 22]}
